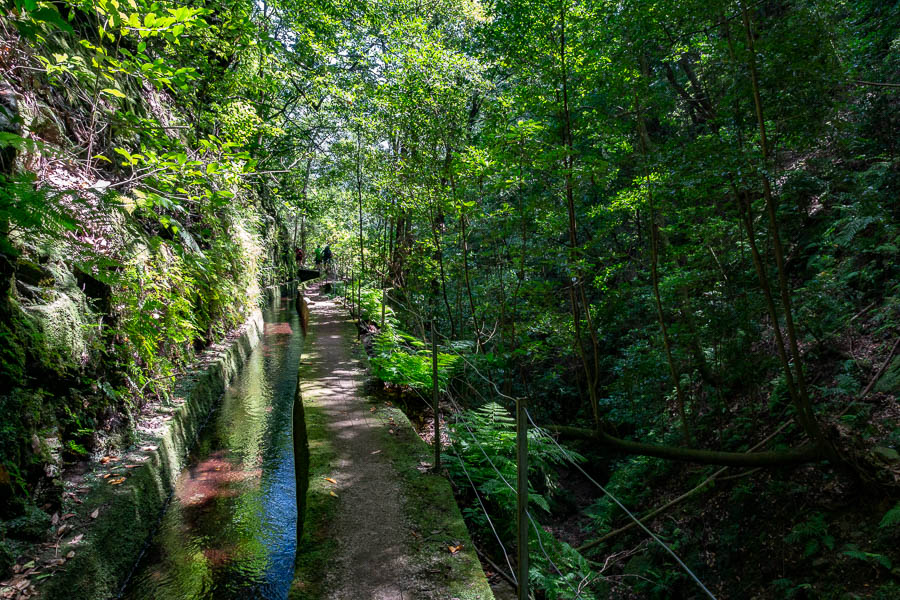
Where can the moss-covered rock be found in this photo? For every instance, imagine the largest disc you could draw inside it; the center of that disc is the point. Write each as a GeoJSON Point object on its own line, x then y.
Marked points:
{"type": "Point", "coordinates": [33, 525]}
{"type": "Point", "coordinates": [62, 322]}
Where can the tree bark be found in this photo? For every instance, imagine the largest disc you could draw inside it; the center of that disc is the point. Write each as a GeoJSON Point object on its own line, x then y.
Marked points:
{"type": "Point", "coordinates": [804, 454]}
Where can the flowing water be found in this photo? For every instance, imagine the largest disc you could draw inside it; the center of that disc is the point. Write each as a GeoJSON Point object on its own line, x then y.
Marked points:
{"type": "Point", "coordinates": [230, 528]}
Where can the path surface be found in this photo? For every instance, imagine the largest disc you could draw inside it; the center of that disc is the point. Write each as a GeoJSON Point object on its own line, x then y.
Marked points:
{"type": "Point", "coordinates": [371, 560]}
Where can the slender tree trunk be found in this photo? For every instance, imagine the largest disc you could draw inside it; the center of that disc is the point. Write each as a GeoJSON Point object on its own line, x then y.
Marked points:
{"type": "Point", "coordinates": [569, 162]}
{"type": "Point", "coordinates": [803, 403]}
{"type": "Point", "coordinates": [654, 273]}
{"type": "Point", "coordinates": [362, 255]}
{"type": "Point", "coordinates": [439, 254]}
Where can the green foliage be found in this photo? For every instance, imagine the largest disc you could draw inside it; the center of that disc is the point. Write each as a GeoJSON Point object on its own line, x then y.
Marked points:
{"type": "Point", "coordinates": [485, 439]}
{"type": "Point", "coordinates": [484, 442]}
{"type": "Point", "coordinates": [786, 589]}
{"type": "Point", "coordinates": [812, 534]}
{"type": "Point", "coordinates": [891, 518]}
{"type": "Point", "coordinates": [853, 551]}
{"type": "Point", "coordinates": [402, 359]}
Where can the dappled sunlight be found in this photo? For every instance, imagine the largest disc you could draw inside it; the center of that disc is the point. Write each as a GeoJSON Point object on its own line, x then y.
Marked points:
{"type": "Point", "coordinates": [230, 530]}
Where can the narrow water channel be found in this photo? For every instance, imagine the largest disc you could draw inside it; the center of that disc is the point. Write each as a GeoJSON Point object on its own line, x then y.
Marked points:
{"type": "Point", "coordinates": [230, 528]}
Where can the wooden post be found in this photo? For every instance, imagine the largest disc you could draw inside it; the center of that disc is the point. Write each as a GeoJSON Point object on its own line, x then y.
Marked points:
{"type": "Point", "coordinates": [435, 399]}
{"type": "Point", "coordinates": [522, 497]}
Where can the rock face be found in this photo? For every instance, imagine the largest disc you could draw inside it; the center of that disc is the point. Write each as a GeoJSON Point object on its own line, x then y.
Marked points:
{"type": "Point", "coordinates": [9, 123]}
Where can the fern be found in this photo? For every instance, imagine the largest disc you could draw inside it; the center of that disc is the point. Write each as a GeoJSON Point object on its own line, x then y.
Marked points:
{"type": "Point", "coordinates": [485, 439]}
{"type": "Point", "coordinates": [813, 534]}
{"type": "Point", "coordinates": [401, 359]}
{"type": "Point", "coordinates": [891, 518]}
{"type": "Point", "coordinates": [853, 551]}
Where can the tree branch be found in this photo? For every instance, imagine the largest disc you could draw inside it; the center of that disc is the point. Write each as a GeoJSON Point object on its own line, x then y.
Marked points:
{"type": "Point", "coordinates": [804, 454]}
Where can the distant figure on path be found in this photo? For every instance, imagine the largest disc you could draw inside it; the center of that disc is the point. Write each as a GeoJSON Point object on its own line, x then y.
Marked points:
{"type": "Point", "coordinates": [298, 254]}
{"type": "Point", "coordinates": [326, 256]}
{"type": "Point", "coordinates": [318, 253]}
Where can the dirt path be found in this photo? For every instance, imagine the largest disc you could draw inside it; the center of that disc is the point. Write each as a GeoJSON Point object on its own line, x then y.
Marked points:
{"type": "Point", "coordinates": [371, 561]}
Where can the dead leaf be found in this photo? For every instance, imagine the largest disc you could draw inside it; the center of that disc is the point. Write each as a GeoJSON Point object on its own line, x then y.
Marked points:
{"type": "Point", "coordinates": [77, 538]}
{"type": "Point", "coordinates": [107, 475]}
{"type": "Point", "coordinates": [388, 403]}
{"type": "Point", "coordinates": [376, 452]}
{"type": "Point", "coordinates": [105, 460]}
{"type": "Point", "coordinates": [71, 554]}
{"type": "Point", "coordinates": [96, 513]}
{"type": "Point", "coordinates": [149, 448]}
{"type": "Point", "coordinates": [67, 516]}
{"type": "Point", "coordinates": [333, 494]}
{"type": "Point", "coordinates": [372, 409]}
{"type": "Point", "coordinates": [117, 481]}
{"type": "Point", "coordinates": [55, 519]}
{"type": "Point", "coordinates": [454, 549]}
{"type": "Point", "coordinates": [132, 466]}
{"type": "Point", "coordinates": [331, 480]}
{"type": "Point", "coordinates": [62, 530]}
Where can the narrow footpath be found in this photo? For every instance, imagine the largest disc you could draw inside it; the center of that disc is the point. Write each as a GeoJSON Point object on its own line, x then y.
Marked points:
{"type": "Point", "coordinates": [381, 551]}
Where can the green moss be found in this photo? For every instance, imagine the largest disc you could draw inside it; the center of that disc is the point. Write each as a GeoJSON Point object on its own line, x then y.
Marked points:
{"type": "Point", "coordinates": [30, 526]}
{"type": "Point", "coordinates": [317, 547]}
{"type": "Point", "coordinates": [429, 506]}
{"type": "Point", "coordinates": [890, 381]}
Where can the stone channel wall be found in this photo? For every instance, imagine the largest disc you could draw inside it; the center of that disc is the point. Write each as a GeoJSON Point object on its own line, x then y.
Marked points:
{"type": "Point", "coordinates": [106, 547]}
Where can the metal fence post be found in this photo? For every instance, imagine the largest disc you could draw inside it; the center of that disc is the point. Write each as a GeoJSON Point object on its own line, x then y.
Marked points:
{"type": "Point", "coordinates": [522, 497]}
{"type": "Point", "coordinates": [435, 399]}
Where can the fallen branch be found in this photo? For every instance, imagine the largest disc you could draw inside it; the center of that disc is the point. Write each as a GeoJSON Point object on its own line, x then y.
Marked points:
{"type": "Point", "coordinates": [682, 497]}
{"type": "Point", "coordinates": [804, 454]}
{"type": "Point", "coordinates": [872, 381]}
{"type": "Point", "coordinates": [881, 370]}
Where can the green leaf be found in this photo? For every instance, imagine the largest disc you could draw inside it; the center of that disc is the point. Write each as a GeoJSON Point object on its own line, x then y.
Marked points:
{"type": "Point", "coordinates": [114, 92]}
{"type": "Point", "coordinates": [891, 518]}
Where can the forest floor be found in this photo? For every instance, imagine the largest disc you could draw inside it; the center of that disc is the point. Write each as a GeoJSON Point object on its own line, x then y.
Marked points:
{"type": "Point", "coordinates": [381, 498]}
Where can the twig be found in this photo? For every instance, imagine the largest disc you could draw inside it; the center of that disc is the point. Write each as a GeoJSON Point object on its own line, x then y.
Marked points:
{"type": "Point", "coordinates": [875, 83]}
{"type": "Point", "coordinates": [860, 313]}
{"type": "Point", "coordinates": [880, 372]}
{"type": "Point", "coordinates": [494, 566]}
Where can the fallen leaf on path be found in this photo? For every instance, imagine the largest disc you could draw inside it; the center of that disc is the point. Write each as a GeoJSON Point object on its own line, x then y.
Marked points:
{"type": "Point", "coordinates": [149, 448]}
{"type": "Point", "coordinates": [388, 403]}
{"type": "Point", "coordinates": [333, 494]}
{"type": "Point", "coordinates": [71, 554]}
{"type": "Point", "coordinates": [55, 519]}
{"type": "Point", "coordinates": [105, 460]}
{"type": "Point", "coordinates": [117, 481]}
{"type": "Point", "coordinates": [376, 452]}
{"type": "Point", "coordinates": [77, 538]}
{"type": "Point", "coordinates": [61, 530]}
{"type": "Point", "coordinates": [372, 409]}
{"type": "Point", "coordinates": [107, 475]}
{"type": "Point", "coordinates": [331, 480]}
{"type": "Point", "coordinates": [95, 513]}
{"type": "Point", "coordinates": [454, 549]}
{"type": "Point", "coordinates": [132, 466]}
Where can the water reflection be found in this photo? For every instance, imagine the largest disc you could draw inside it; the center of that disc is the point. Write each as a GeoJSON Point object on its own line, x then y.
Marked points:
{"type": "Point", "coordinates": [230, 529]}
